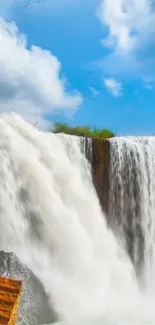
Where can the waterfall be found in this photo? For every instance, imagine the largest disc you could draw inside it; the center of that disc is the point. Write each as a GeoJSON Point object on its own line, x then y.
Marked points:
{"type": "Point", "coordinates": [50, 217]}
{"type": "Point", "coordinates": [132, 198]}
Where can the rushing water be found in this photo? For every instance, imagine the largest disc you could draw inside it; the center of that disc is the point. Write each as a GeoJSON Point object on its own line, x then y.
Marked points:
{"type": "Point", "coordinates": [51, 218]}
{"type": "Point", "coordinates": [132, 200]}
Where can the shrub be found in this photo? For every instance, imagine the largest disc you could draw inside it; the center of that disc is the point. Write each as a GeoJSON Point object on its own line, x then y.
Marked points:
{"type": "Point", "coordinates": [84, 131]}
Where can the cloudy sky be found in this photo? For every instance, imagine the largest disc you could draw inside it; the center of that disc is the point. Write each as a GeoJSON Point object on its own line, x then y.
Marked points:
{"type": "Point", "coordinates": [86, 62]}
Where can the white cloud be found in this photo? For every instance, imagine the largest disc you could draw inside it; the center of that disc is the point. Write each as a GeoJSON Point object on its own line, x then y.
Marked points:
{"type": "Point", "coordinates": [94, 92]}
{"type": "Point", "coordinates": [30, 79]}
{"type": "Point", "coordinates": [127, 21]}
{"type": "Point", "coordinates": [129, 27]}
{"type": "Point", "coordinates": [113, 86]}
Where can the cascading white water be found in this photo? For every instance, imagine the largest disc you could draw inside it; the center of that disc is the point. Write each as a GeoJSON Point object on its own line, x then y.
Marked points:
{"type": "Point", "coordinates": [51, 218]}
{"type": "Point", "coordinates": [132, 199]}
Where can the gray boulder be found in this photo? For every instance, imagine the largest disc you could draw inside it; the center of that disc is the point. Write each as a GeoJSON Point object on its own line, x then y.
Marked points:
{"type": "Point", "coordinates": [34, 306]}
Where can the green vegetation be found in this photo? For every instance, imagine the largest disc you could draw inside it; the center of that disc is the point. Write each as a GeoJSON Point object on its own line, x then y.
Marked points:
{"type": "Point", "coordinates": [85, 131]}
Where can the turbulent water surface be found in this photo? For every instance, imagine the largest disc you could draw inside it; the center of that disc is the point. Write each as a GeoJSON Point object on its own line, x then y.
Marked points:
{"type": "Point", "coordinates": [51, 218]}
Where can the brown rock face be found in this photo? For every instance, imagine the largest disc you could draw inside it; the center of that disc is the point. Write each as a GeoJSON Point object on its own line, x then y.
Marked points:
{"type": "Point", "coordinates": [100, 170]}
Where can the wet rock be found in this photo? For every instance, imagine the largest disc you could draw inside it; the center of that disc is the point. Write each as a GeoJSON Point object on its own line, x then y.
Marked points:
{"type": "Point", "coordinates": [100, 170]}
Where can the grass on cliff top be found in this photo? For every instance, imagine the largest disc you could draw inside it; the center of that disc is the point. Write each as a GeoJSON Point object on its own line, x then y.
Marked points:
{"type": "Point", "coordinates": [84, 131]}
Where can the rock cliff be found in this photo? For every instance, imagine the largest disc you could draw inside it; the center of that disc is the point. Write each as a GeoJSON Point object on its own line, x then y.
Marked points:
{"type": "Point", "coordinates": [100, 170]}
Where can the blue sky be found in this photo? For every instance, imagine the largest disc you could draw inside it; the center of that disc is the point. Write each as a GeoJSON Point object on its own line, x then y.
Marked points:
{"type": "Point", "coordinates": [92, 64]}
